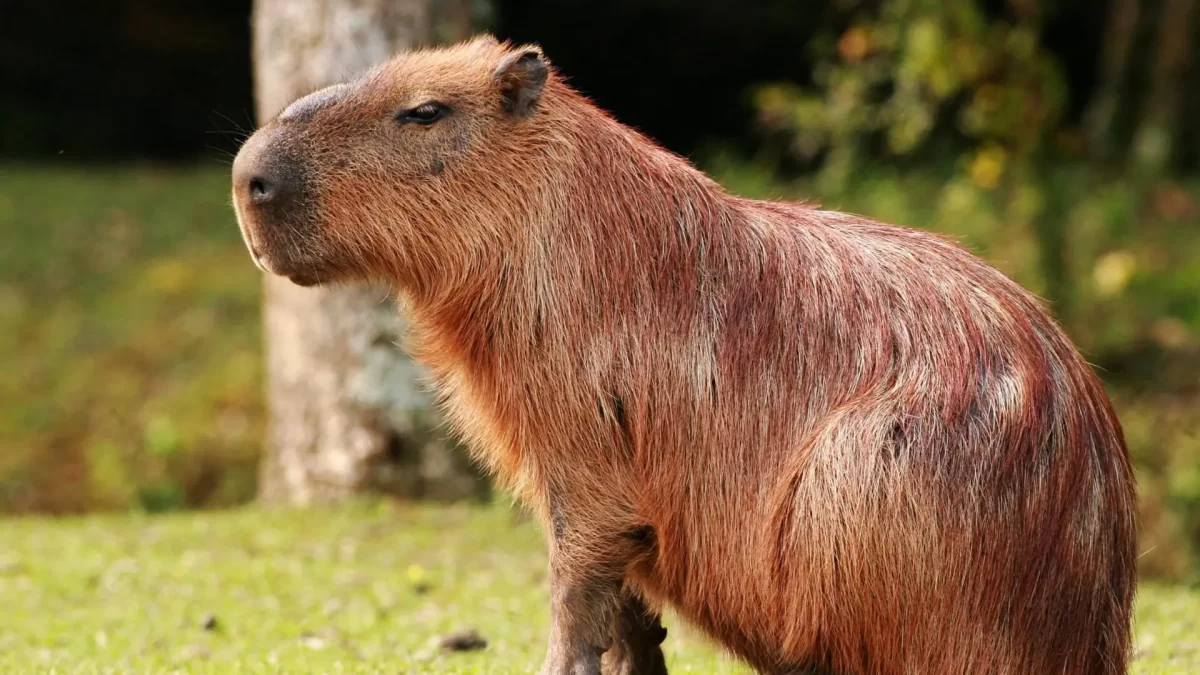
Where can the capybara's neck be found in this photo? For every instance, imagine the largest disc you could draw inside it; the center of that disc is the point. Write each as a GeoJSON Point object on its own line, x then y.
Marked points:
{"type": "Point", "coordinates": [606, 225]}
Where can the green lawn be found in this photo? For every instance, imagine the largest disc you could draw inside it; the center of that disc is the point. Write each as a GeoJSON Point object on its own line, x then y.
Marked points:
{"type": "Point", "coordinates": [360, 589]}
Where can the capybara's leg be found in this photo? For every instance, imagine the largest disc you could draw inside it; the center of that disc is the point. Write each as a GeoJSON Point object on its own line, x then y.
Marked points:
{"type": "Point", "coordinates": [589, 558]}
{"type": "Point", "coordinates": [636, 641]}
{"type": "Point", "coordinates": [582, 607]}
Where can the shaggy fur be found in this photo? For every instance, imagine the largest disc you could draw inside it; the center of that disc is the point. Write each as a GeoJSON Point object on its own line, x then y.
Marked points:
{"type": "Point", "coordinates": [834, 445]}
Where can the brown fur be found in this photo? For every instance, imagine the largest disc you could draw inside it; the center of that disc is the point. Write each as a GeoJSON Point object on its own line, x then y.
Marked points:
{"type": "Point", "coordinates": [834, 445]}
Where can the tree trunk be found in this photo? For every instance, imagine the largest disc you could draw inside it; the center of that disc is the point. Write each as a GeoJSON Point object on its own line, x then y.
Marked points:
{"type": "Point", "coordinates": [1116, 57]}
{"type": "Point", "coordinates": [1158, 129]}
{"type": "Point", "coordinates": [346, 413]}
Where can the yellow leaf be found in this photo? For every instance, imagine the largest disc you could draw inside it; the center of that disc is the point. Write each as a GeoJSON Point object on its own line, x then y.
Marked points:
{"type": "Point", "coordinates": [416, 574]}
{"type": "Point", "coordinates": [987, 168]}
{"type": "Point", "coordinates": [1113, 271]}
{"type": "Point", "coordinates": [854, 44]}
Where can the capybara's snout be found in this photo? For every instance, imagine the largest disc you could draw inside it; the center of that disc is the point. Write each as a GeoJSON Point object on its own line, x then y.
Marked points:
{"type": "Point", "coordinates": [275, 207]}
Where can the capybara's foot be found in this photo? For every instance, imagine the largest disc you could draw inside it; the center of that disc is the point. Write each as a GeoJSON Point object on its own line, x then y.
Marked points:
{"type": "Point", "coordinates": [636, 648]}
{"type": "Point", "coordinates": [572, 661]}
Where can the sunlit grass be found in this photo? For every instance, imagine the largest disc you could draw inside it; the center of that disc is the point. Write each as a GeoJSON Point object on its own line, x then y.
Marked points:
{"type": "Point", "coordinates": [359, 589]}
{"type": "Point", "coordinates": [363, 589]}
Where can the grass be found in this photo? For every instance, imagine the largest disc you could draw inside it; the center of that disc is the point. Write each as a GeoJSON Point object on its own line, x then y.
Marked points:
{"type": "Point", "coordinates": [131, 347]}
{"type": "Point", "coordinates": [363, 589]}
{"type": "Point", "coordinates": [366, 588]}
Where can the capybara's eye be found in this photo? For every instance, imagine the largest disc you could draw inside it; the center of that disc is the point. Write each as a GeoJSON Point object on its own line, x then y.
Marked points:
{"type": "Point", "coordinates": [426, 113]}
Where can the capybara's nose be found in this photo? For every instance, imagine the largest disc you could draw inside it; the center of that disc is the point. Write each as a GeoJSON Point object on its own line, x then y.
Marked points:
{"type": "Point", "coordinates": [265, 176]}
{"type": "Point", "coordinates": [262, 189]}
{"type": "Point", "coordinates": [264, 183]}
{"type": "Point", "coordinates": [269, 184]}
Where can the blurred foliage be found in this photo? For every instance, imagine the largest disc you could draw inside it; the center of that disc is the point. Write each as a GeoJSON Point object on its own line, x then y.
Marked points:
{"type": "Point", "coordinates": [131, 356]}
{"type": "Point", "coordinates": [913, 68]}
{"type": "Point", "coordinates": [1009, 82]}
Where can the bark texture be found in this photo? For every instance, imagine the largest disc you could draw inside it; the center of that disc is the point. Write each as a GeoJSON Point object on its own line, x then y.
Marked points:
{"type": "Point", "coordinates": [347, 411]}
{"type": "Point", "coordinates": [1115, 63]}
{"type": "Point", "coordinates": [1158, 131]}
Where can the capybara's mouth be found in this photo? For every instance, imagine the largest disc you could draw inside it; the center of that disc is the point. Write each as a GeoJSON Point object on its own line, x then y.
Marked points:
{"type": "Point", "coordinates": [299, 274]}
{"type": "Point", "coordinates": [271, 263]}
{"type": "Point", "coordinates": [266, 254]}
{"type": "Point", "coordinates": [304, 279]}
{"type": "Point", "coordinates": [257, 257]}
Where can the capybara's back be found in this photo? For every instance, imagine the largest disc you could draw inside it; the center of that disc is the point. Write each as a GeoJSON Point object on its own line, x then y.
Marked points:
{"type": "Point", "coordinates": [891, 461]}
{"type": "Point", "coordinates": [838, 446]}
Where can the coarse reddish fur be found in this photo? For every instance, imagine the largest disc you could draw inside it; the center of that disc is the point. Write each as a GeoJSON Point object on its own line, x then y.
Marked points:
{"type": "Point", "coordinates": [859, 449]}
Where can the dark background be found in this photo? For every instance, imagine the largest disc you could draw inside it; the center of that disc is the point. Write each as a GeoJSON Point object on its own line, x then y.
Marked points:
{"type": "Point", "coordinates": [166, 80]}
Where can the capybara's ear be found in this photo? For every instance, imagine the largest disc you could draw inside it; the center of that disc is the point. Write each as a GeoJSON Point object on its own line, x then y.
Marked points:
{"type": "Point", "coordinates": [521, 76]}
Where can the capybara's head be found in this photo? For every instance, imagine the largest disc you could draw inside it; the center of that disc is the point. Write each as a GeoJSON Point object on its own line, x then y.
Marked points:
{"type": "Point", "coordinates": [359, 179]}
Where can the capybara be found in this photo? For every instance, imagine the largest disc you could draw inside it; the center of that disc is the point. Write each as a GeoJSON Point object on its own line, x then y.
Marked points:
{"type": "Point", "coordinates": [833, 445]}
